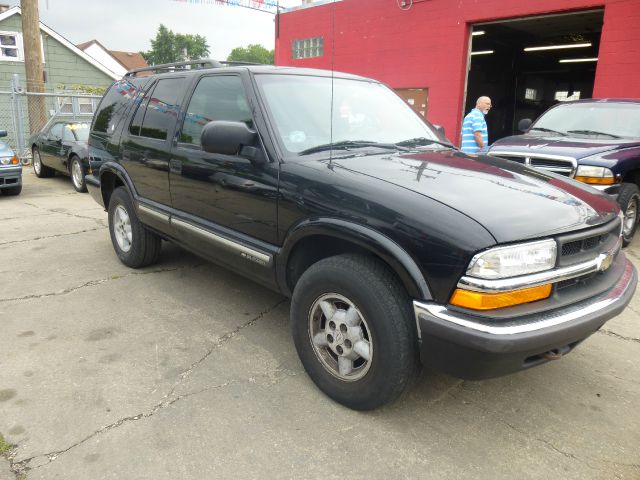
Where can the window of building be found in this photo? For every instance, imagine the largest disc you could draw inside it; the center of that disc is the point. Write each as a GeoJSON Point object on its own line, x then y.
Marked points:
{"type": "Point", "coordinates": [84, 105]}
{"type": "Point", "coordinates": [11, 46]}
{"type": "Point", "coordinates": [563, 96]}
{"type": "Point", "coordinates": [215, 98]}
{"type": "Point", "coordinates": [158, 110]}
{"type": "Point", "coordinates": [530, 94]}
{"type": "Point", "coordinates": [308, 48]}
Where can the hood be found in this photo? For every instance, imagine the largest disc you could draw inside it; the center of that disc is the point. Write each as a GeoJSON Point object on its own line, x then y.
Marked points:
{"type": "Point", "coordinates": [575, 147]}
{"type": "Point", "coordinates": [5, 150]}
{"type": "Point", "coordinates": [511, 201]}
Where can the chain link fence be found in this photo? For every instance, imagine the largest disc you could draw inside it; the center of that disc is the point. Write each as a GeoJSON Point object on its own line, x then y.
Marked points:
{"type": "Point", "coordinates": [24, 113]}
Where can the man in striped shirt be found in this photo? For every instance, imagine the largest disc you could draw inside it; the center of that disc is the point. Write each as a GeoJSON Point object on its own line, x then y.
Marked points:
{"type": "Point", "coordinates": [474, 127]}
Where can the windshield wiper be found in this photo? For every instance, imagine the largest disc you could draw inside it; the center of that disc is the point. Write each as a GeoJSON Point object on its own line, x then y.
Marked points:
{"type": "Point", "coordinates": [593, 132]}
{"type": "Point", "coordinates": [542, 129]}
{"type": "Point", "coordinates": [418, 141]}
{"type": "Point", "coordinates": [347, 144]}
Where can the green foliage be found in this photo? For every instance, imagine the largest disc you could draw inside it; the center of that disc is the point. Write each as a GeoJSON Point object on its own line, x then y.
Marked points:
{"type": "Point", "coordinates": [253, 53]}
{"type": "Point", "coordinates": [169, 47]}
{"type": "Point", "coordinates": [88, 89]}
{"type": "Point", "coordinates": [4, 446]}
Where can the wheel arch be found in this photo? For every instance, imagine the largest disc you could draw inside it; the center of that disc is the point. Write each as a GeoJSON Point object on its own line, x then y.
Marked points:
{"type": "Point", "coordinates": [113, 176]}
{"type": "Point", "coordinates": [300, 251]}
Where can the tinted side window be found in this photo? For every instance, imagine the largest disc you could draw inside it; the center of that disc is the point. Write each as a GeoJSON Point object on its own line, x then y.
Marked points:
{"type": "Point", "coordinates": [113, 104]}
{"type": "Point", "coordinates": [215, 98]}
{"type": "Point", "coordinates": [161, 108]}
{"type": "Point", "coordinates": [56, 131]}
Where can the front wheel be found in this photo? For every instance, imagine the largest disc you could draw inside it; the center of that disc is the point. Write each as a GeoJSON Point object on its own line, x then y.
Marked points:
{"type": "Point", "coordinates": [77, 170]}
{"type": "Point", "coordinates": [352, 328]}
{"type": "Point", "coordinates": [629, 201]}
{"type": "Point", "coordinates": [135, 245]}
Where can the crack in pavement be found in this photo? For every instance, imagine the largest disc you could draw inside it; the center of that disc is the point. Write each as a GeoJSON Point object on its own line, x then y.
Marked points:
{"type": "Point", "coordinates": [525, 434]}
{"type": "Point", "coordinates": [221, 341]}
{"type": "Point", "coordinates": [53, 236]}
{"type": "Point", "coordinates": [92, 283]}
{"type": "Point", "coordinates": [618, 336]}
{"type": "Point", "coordinates": [22, 466]}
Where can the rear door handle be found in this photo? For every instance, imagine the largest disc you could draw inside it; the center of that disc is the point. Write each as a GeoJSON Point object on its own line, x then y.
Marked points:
{"type": "Point", "coordinates": [175, 166]}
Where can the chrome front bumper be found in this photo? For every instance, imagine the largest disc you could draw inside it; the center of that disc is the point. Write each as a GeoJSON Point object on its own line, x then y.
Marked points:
{"type": "Point", "coordinates": [474, 347]}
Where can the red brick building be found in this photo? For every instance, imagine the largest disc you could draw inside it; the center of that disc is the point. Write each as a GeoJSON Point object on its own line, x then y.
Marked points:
{"type": "Point", "coordinates": [442, 54]}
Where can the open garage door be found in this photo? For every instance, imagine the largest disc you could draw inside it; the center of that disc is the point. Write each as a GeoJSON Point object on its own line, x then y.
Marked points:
{"type": "Point", "coordinates": [527, 65]}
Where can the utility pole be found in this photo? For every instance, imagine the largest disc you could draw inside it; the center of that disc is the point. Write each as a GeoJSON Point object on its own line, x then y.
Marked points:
{"type": "Point", "coordinates": [33, 64]}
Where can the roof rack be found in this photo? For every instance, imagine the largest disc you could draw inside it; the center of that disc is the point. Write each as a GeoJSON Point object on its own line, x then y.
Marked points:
{"type": "Point", "coordinates": [199, 64]}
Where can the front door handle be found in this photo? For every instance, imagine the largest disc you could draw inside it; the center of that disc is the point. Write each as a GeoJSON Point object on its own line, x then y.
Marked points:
{"type": "Point", "coordinates": [175, 166]}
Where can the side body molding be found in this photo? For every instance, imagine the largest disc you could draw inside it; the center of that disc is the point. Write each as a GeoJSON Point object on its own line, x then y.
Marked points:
{"type": "Point", "coordinates": [393, 254]}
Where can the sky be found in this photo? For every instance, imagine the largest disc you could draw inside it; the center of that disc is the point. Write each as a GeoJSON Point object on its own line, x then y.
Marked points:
{"type": "Point", "coordinates": [129, 25]}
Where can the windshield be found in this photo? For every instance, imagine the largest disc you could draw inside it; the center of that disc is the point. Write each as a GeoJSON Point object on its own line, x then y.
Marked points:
{"type": "Point", "coordinates": [76, 131]}
{"type": "Point", "coordinates": [363, 111]}
{"type": "Point", "coordinates": [610, 119]}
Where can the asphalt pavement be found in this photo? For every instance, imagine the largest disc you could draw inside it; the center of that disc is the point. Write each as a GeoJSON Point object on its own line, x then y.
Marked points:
{"type": "Point", "coordinates": [186, 370]}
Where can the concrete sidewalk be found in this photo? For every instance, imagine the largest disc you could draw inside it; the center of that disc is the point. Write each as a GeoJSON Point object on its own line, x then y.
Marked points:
{"type": "Point", "coordinates": [186, 370]}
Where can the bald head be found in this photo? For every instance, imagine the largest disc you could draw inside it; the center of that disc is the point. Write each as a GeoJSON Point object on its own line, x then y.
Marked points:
{"type": "Point", "coordinates": [483, 104]}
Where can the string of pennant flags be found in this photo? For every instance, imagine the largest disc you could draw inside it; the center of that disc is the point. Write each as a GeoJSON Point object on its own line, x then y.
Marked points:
{"type": "Point", "coordinates": [270, 6]}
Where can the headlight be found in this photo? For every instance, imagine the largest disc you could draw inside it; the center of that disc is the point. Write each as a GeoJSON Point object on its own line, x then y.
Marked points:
{"type": "Point", "coordinates": [514, 260]}
{"type": "Point", "coordinates": [594, 175]}
{"type": "Point", "coordinates": [8, 160]}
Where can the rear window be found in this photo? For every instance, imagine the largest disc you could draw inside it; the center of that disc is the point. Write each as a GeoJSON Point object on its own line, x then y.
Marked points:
{"type": "Point", "coordinates": [114, 103]}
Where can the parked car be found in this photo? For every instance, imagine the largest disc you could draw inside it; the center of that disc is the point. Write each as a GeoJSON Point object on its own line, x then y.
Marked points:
{"type": "Point", "coordinates": [392, 244]}
{"type": "Point", "coordinates": [10, 169]}
{"type": "Point", "coordinates": [61, 146]}
{"type": "Point", "coordinates": [595, 141]}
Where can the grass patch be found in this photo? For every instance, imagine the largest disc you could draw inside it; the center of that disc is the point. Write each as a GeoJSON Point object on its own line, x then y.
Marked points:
{"type": "Point", "coordinates": [4, 446]}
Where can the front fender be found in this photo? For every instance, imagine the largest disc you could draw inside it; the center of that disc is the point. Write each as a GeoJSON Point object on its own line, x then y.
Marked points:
{"type": "Point", "coordinates": [365, 237]}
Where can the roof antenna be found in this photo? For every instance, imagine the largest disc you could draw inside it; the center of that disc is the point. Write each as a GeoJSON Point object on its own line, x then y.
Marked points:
{"type": "Point", "coordinates": [333, 44]}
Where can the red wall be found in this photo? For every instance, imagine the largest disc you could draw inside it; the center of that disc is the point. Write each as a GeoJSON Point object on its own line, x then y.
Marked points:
{"type": "Point", "coordinates": [426, 46]}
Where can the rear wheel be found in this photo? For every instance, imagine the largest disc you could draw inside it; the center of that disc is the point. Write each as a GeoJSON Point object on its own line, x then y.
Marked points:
{"type": "Point", "coordinates": [629, 201]}
{"type": "Point", "coordinates": [41, 171]}
{"type": "Point", "coordinates": [135, 245]}
{"type": "Point", "coordinates": [352, 328]}
{"type": "Point", "coordinates": [77, 170]}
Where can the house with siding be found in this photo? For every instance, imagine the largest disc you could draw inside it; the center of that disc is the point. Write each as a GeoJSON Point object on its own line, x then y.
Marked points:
{"type": "Point", "coordinates": [66, 69]}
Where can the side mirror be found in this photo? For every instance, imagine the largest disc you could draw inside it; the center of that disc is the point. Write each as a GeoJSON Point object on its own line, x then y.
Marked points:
{"type": "Point", "coordinates": [524, 124]}
{"type": "Point", "coordinates": [440, 130]}
{"type": "Point", "coordinates": [3, 133]}
{"type": "Point", "coordinates": [229, 138]}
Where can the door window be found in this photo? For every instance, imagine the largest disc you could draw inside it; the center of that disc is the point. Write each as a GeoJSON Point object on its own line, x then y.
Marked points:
{"type": "Point", "coordinates": [215, 98]}
{"type": "Point", "coordinates": [158, 111]}
{"type": "Point", "coordinates": [56, 132]}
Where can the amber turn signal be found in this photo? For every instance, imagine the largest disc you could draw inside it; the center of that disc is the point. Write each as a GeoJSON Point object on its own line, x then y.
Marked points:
{"type": "Point", "coordinates": [14, 160]}
{"type": "Point", "coordinates": [596, 180]}
{"type": "Point", "coordinates": [489, 301]}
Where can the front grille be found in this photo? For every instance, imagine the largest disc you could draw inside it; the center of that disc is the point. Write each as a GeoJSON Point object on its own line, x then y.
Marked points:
{"type": "Point", "coordinates": [552, 163]}
{"type": "Point", "coordinates": [586, 245]}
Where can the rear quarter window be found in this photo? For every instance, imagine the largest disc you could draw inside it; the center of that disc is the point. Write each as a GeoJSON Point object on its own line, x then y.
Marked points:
{"type": "Point", "coordinates": [114, 104]}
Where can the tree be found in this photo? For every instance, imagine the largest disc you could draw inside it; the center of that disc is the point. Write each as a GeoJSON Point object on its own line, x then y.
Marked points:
{"type": "Point", "coordinates": [253, 53]}
{"type": "Point", "coordinates": [169, 47]}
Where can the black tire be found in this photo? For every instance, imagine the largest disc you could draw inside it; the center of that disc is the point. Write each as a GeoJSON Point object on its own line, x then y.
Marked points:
{"type": "Point", "coordinates": [77, 171]}
{"type": "Point", "coordinates": [629, 201]}
{"type": "Point", "coordinates": [12, 190]}
{"type": "Point", "coordinates": [138, 247]}
{"type": "Point", "coordinates": [41, 170]}
{"type": "Point", "coordinates": [385, 316]}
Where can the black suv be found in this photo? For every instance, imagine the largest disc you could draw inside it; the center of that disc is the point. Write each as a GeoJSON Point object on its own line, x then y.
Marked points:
{"type": "Point", "coordinates": [393, 245]}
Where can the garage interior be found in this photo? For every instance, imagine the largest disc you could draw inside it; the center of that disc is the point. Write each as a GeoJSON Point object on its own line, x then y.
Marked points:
{"type": "Point", "coordinates": [524, 83]}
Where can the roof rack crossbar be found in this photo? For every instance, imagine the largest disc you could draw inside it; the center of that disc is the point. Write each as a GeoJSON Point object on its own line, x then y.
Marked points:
{"type": "Point", "coordinates": [205, 63]}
